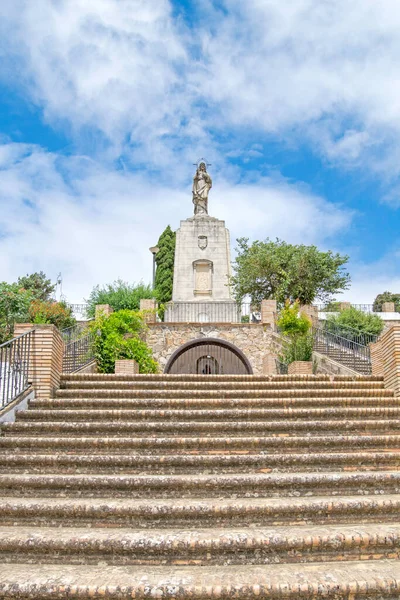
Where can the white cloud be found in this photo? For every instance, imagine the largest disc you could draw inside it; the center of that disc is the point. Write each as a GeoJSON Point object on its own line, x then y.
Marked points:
{"type": "Point", "coordinates": [326, 72]}
{"type": "Point", "coordinates": [95, 224]}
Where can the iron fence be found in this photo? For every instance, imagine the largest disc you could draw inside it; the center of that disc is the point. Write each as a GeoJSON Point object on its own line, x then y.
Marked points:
{"type": "Point", "coordinates": [335, 307]}
{"type": "Point", "coordinates": [350, 353]}
{"type": "Point", "coordinates": [79, 310]}
{"type": "Point", "coordinates": [212, 312]}
{"type": "Point", "coordinates": [349, 333]}
{"type": "Point", "coordinates": [15, 357]}
{"type": "Point", "coordinates": [78, 347]}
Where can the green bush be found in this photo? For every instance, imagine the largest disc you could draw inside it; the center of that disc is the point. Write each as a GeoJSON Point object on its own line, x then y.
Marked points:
{"type": "Point", "coordinates": [386, 297]}
{"type": "Point", "coordinates": [119, 336]}
{"type": "Point", "coordinates": [298, 339]}
{"type": "Point", "coordinates": [54, 313]}
{"type": "Point", "coordinates": [356, 320]}
{"type": "Point", "coordinates": [299, 347]}
{"type": "Point", "coordinates": [290, 322]}
{"type": "Point", "coordinates": [119, 295]}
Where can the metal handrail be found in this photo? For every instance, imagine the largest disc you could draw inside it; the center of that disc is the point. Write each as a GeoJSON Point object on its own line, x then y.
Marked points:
{"type": "Point", "coordinates": [348, 352]}
{"type": "Point", "coordinates": [78, 347]}
{"type": "Point", "coordinates": [15, 357]}
{"type": "Point", "coordinates": [350, 333]}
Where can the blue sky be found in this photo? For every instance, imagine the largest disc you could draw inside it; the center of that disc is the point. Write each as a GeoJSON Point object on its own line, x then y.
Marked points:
{"type": "Point", "coordinates": [106, 104]}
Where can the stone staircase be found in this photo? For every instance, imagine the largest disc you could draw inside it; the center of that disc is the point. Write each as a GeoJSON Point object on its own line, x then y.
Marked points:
{"type": "Point", "coordinates": [203, 487]}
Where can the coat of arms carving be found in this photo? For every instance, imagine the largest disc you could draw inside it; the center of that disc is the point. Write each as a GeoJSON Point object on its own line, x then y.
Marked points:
{"type": "Point", "coordinates": [202, 241]}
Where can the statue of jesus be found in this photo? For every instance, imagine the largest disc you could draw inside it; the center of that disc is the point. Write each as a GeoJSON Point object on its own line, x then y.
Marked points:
{"type": "Point", "coordinates": [202, 184]}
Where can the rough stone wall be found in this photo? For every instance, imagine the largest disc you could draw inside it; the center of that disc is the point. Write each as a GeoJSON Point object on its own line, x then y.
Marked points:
{"type": "Point", "coordinates": [253, 340]}
{"type": "Point", "coordinates": [390, 341]}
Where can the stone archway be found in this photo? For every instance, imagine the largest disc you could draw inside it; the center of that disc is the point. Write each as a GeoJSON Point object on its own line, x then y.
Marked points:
{"type": "Point", "coordinates": [208, 356]}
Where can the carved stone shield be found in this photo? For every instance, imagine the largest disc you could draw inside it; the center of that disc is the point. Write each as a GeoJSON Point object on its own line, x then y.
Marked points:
{"type": "Point", "coordinates": [202, 241]}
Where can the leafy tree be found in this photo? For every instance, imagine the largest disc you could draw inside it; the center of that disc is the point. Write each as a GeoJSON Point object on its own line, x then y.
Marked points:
{"type": "Point", "coordinates": [119, 295]}
{"type": "Point", "coordinates": [54, 313]}
{"type": "Point", "coordinates": [284, 271]}
{"type": "Point", "coordinates": [353, 319]}
{"type": "Point", "coordinates": [165, 265]}
{"type": "Point", "coordinates": [38, 284]}
{"type": "Point", "coordinates": [386, 297]}
{"type": "Point", "coordinates": [119, 336]}
{"type": "Point", "coordinates": [14, 308]}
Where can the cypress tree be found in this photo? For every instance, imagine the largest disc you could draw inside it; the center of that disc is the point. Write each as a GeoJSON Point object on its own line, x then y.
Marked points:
{"type": "Point", "coordinates": [165, 258]}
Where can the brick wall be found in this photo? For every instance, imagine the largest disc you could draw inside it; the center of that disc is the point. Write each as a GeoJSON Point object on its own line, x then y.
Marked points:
{"type": "Point", "coordinates": [268, 313]}
{"type": "Point", "coordinates": [377, 358]}
{"type": "Point", "coordinates": [390, 341]}
{"type": "Point", "coordinates": [46, 358]}
{"type": "Point", "coordinates": [300, 367]}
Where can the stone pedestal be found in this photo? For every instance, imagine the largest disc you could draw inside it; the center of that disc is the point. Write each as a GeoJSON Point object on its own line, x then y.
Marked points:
{"type": "Point", "coordinates": [268, 313]}
{"type": "Point", "coordinates": [126, 367]}
{"type": "Point", "coordinates": [104, 310]}
{"type": "Point", "coordinates": [149, 306]}
{"type": "Point", "coordinates": [388, 307]}
{"type": "Point", "coordinates": [390, 357]}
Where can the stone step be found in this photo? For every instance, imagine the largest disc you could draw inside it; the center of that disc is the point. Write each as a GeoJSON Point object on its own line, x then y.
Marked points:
{"type": "Point", "coordinates": [245, 545]}
{"type": "Point", "coordinates": [207, 428]}
{"type": "Point", "coordinates": [290, 402]}
{"type": "Point", "coordinates": [235, 414]}
{"type": "Point", "coordinates": [96, 377]}
{"type": "Point", "coordinates": [36, 462]}
{"type": "Point", "coordinates": [218, 394]}
{"type": "Point", "coordinates": [205, 385]}
{"type": "Point", "coordinates": [191, 486]}
{"type": "Point", "coordinates": [358, 580]}
{"type": "Point", "coordinates": [152, 445]}
{"type": "Point", "coordinates": [153, 513]}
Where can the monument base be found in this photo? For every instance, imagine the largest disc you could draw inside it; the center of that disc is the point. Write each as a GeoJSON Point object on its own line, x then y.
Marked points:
{"type": "Point", "coordinates": [225, 311]}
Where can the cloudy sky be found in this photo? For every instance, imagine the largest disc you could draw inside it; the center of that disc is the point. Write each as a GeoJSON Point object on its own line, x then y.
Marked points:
{"type": "Point", "coordinates": [106, 104]}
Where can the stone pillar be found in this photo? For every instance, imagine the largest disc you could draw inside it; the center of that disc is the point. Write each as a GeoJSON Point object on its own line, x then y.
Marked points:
{"type": "Point", "coordinates": [46, 358]}
{"type": "Point", "coordinates": [390, 341]}
{"type": "Point", "coordinates": [268, 313]}
{"type": "Point", "coordinates": [269, 365]}
{"type": "Point", "coordinates": [149, 306]}
{"type": "Point", "coordinates": [388, 307]}
{"type": "Point", "coordinates": [376, 358]}
{"type": "Point", "coordinates": [344, 305]}
{"type": "Point", "coordinates": [103, 309]}
{"type": "Point", "coordinates": [300, 367]}
{"type": "Point", "coordinates": [126, 367]}
{"type": "Point", "coordinates": [311, 312]}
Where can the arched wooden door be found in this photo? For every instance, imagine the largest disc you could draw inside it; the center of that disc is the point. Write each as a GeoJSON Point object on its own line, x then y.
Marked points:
{"type": "Point", "coordinates": [208, 356]}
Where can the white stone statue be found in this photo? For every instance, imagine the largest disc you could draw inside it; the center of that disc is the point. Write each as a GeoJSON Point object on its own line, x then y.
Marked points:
{"type": "Point", "coordinates": [202, 184]}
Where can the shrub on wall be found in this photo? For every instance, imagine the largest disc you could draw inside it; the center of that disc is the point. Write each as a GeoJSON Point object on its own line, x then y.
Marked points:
{"type": "Point", "coordinates": [119, 295]}
{"type": "Point", "coordinates": [386, 297]}
{"type": "Point", "coordinates": [120, 336]}
{"type": "Point", "coordinates": [356, 320]}
{"type": "Point", "coordinates": [53, 313]}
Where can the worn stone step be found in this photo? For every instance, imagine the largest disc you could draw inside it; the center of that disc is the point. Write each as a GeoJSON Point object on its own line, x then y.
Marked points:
{"type": "Point", "coordinates": [59, 428]}
{"type": "Point", "coordinates": [35, 462]}
{"type": "Point", "coordinates": [220, 394]}
{"type": "Point", "coordinates": [358, 580]}
{"type": "Point", "coordinates": [245, 545]}
{"type": "Point", "coordinates": [153, 512]}
{"type": "Point", "coordinates": [188, 485]}
{"type": "Point", "coordinates": [205, 384]}
{"type": "Point", "coordinates": [149, 444]}
{"type": "Point", "coordinates": [95, 377]}
{"type": "Point", "coordinates": [189, 403]}
{"type": "Point", "coordinates": [235, 414]}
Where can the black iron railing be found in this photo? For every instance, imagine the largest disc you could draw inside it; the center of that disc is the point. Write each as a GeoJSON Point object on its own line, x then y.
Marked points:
{"type": "Point", "coordinates": [15, 357]}
{"type": "Point", "coordinates": [350, 353]}
{"type": "Point", "coordinates": [79, 310]}
{"type": "Point", "coordinates": [349, 333]}
{"type": "Point", "coordinates": [78, 347]}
